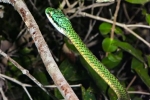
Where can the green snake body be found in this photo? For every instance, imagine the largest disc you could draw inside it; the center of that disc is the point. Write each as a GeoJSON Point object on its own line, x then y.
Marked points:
{"type": "Point", "coordinates": [63, 25]}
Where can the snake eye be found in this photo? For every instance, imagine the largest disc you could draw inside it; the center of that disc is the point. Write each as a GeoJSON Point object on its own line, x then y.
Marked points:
{"type": "Point", "coordinates": [50, 11]}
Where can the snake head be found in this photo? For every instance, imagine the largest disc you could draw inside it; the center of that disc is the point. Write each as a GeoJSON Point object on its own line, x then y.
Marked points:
{"type": "Point", "coordinates": [58, 20]}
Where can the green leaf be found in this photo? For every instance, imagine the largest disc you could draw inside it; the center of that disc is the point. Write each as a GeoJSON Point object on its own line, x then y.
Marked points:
{"type": "Point", "coordinates": [25, 50]}
{"type": "Point", "coordinates": [148, 18]}
{"type": "Point", "coordinates": [112, 60]}
{"type": "Point", "coordinates": [16, 72]}
{"type": "Point", "coordinates": [128, 48]}
{"type": "Point", "coordinates": [71, 72]}
{"type": "Point", "coordinates": [108, 45]}
{"type": "Point", "coordinates": [119, 31]}
{"type": "Point", "coordinates": [27, 60]}
{"type": "Point", "coordinates": [58, 94]}
{"type": "Point", "coordinates": [148, 59]}
{"type": "Point", "coordinates": [142, 72]}
{"type": "Point", "coordinates": [138, 1]}
{"type": "Point", "coordinates": [87, 94]}
{"type": "Point", "coordinates": [40, 76]}
{"type": "Point", "coordinates": [105, 28]}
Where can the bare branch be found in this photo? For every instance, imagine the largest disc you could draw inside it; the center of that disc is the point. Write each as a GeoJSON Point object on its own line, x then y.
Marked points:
{"type": "Point", "coordinates": [43, 50]}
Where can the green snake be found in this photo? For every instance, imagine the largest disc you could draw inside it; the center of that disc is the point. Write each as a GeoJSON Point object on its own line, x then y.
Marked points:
{"type": "Point", "coordinates": [63, 25]}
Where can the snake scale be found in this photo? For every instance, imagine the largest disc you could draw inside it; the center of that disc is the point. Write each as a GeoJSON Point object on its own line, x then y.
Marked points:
{"type": "Point", "coordinates": [63, 25]}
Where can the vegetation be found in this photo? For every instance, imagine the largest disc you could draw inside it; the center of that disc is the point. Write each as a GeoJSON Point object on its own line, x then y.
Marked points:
{"type": "Point", "coordinates": [119, 39]}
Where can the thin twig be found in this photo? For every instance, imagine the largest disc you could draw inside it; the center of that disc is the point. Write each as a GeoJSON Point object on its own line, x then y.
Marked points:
{"type": "Point", "coordinates": [131, 82]}
{"type": "Point", "coordinates": [24, 71]}
{"type": "Point", "coordinates": [115, 18]}
{"type": "Point", "coordinates": [91, 26]}
{"type": "Point", "coordinates": [17, 82]}
{"type": "Point", "coordinates": [139, 92]}
{"type": "Point", "coordinates": [3, 94]}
